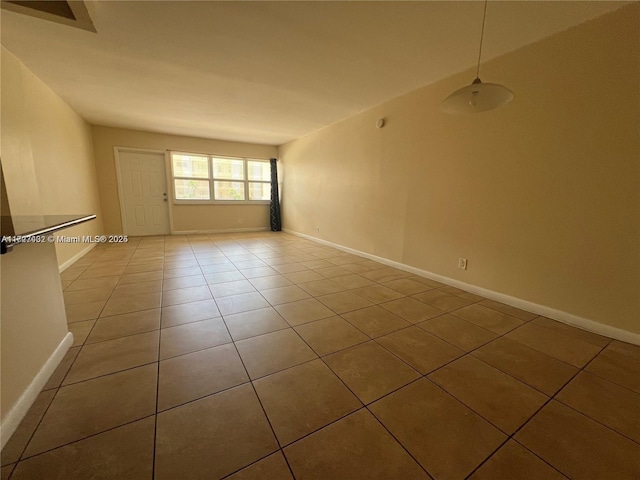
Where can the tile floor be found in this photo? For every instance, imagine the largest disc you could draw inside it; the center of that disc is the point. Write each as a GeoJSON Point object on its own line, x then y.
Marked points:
{"type": "Point", "coordinates": [267, 356]}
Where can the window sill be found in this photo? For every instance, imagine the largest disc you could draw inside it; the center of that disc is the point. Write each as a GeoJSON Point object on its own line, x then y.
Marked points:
{"type": "Point", "coordinates": [222, 202]}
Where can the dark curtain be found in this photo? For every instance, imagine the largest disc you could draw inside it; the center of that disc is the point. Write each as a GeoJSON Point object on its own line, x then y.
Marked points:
{"type": "Point", "coordinates": [276, 221]}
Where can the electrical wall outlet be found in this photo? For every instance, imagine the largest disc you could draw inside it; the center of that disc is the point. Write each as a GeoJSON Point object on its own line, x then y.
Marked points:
{"type": "Point", "coordinates": [462, 263]}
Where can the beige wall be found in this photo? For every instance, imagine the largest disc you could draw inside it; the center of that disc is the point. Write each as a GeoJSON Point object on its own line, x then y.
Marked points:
{"type": "Point", "coordinates": [34, 322]}
{"type": "Point", "coordinates": [210, 218]}
{"type": "Point", "coordinates": [47, 160]}
{"type": "Point", "coordinates": [541, 196]}
{"type": "Point", "coordinates": [47, 154]}
{"type": "Point", "coordinates": [185, 217]}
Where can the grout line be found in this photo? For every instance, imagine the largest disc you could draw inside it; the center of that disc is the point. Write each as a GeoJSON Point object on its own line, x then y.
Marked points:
{"type": "Point", "coordinates": [227, 245]}
{"type": "Point", "coordinates": [531, 417]}
{"type": "Point", "coordinates": [155, 417]}
{"type": "Point", "coordinates": [108, 374]}
{"type": "Point", "coordinates": [213, 394]}
{"type": "Point", "coordinates": [365, 406]}
{"type": "Point", "coordinates": [24, 449]}
{"type": "Point", "coordinates": [537, 456]}
{"type": "Point", "coordinates": [582, 370]}
{"type": "Point", "coordinates": [87, 437]}
{"type": "Point", "coordinates": [259, 460]}
{"type": "Point", "coordinates": [291, 367]}
{"type": "Point", "coordinates": [608, 379]}
{"type": "Point", "coordinates": [255, 392]}
{"type": "Point", "coordinates": [396, 439]}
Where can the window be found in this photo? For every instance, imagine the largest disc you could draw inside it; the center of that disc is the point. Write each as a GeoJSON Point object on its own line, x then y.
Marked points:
{"type": "Point", "coordinates": [209, 179]}
{"type": "Point", "coordinates": [190, 177]}
{"type": "Point", "coordinates": [259, 175]}
{"type": "Point", "coordinates": [228, 178]}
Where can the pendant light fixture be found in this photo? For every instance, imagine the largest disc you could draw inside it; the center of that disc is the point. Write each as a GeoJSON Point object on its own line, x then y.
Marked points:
{"type": "Point", "coordinates": [477, 97]}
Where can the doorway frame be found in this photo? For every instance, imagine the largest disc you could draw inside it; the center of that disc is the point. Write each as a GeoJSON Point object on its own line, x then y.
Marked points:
{"type": "Point", "coordinates": [116, 155]}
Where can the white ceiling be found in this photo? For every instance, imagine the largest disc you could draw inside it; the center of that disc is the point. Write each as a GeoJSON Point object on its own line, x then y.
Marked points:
{"type": "Point", "coordinates": [267, 72]}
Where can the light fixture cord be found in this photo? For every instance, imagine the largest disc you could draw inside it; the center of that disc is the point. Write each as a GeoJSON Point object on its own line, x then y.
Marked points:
{"type": "Point", "coordinates": [484, 17]}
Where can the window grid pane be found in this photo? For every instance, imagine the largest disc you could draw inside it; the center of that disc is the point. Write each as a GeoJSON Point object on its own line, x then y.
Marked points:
{"type": "Point", "coordinates": [259, 191]}
{"type": "Point", "coordinates": [260, 171]}
{"type": "Point", "coordinates": [192, 166]}
{"type": "Point", "coordinates": [234, 179]}
{"type": "Point", "coordinates": [228, 169]}
{"type": "Point", "coordinates": [228, 190]}
{"type": "Point", "coordinates": [188, 189]}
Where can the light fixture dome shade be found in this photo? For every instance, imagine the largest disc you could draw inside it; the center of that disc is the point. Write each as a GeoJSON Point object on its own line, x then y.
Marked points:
{"type": "Point", "coordinates": [477, 97]}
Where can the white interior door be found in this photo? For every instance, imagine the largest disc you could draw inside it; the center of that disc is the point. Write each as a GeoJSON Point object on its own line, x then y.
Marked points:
{"type": "Point", "coordinates": [143, 187]}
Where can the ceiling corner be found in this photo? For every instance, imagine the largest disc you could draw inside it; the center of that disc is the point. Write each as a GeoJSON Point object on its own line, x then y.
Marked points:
{"type": "Point", "coordinates": [73, 13]}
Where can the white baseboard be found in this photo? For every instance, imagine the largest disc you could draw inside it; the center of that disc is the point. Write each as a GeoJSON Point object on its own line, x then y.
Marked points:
{"type": "Point", "coordinates": [559, 315]}
{"type": "Point", "coordinates": [224, 230]}
{"type": "Point", "coordinates": [21, 407]}
{"type": "Point", "coordinates": [76, 257]}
